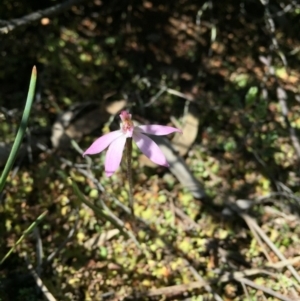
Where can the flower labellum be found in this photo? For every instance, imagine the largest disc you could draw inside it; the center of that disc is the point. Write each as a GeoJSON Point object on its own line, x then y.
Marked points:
{"type": "Point", "coordinates": [115, 141]}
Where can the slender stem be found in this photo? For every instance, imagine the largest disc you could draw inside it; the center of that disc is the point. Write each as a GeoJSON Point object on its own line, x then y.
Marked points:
{"type": "Point", "coordinates": [129, 172]}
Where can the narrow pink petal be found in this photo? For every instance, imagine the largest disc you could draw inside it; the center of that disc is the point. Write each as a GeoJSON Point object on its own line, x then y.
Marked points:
{"type": "Point", "coordinates": [150, 149]}
{"type": "Point", "coordinates": [114, 155]}
{"type": "Point", "coordinates": [102, 143]}
{"type": "Point", "coordinates": [158, 130]}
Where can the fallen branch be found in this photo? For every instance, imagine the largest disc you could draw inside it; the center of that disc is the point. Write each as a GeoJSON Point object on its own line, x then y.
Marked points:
{"type": "Point", "coordinates": [25, 20]}
{"type": "Point", "coordinates": [284, 263]}
{"type": "Point", "coordinates": [176, 290]}
{"type": "Point", "coordinates": [265, 289]}
{"type": "Point", "coordinates": [261, 233]}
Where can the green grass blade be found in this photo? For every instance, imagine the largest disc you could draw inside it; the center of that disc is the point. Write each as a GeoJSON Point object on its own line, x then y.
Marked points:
{"type": "Point", "coordinates": [99, 211]}
{"type": "Point", "coordinates": [26, 232]}
{"type": "Point", "coordinates": [102, 213]}
{"type": "Point", "coordinates": [21, 131]}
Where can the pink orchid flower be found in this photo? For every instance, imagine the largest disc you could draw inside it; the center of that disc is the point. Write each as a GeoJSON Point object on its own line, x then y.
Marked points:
{"type": "Point", "coordinates": [115, 141]}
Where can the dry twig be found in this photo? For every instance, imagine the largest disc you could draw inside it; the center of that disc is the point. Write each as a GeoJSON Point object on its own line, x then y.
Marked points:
{"type": "Point", "coordinates": [67, 239]}
{"type": "Point", "coordinates": [40, 283]}
{"type": "Point", "coordinates": [25, 20]}
{"type": "Point", "coordinates": [255, 226]}
{"type": "Point", "coordinates": [264, 289]}
{"type": "Point", "coordinates": [206, 285]}
{"type": "Point", "coordinates": [176, 290]}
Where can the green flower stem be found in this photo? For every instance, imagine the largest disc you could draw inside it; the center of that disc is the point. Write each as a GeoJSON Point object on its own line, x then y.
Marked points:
{"type": "Point", "coordinates": [21, 131]}
{"type": "Point", "coordinates": [129, 172]}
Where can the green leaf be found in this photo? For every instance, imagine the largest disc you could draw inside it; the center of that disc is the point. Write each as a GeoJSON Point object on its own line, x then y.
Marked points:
{"type": "Point", "coordinates": [23, 125]}
{"type": "Point", "coordinates": [251, 96]}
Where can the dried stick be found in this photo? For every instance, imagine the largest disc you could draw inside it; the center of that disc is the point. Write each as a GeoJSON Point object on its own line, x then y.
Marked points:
{"type": "Point", "coordinates": [176, 290]}
{"type": "Point", "coordinates": [39, 250]}
{"type": "Point", "coordinates": [40, 283]}
{"type": "Point", "coordinates": [264, 289]}
{"type": "Point", "coordinates": [206, 285]}
{"type": "Point", "coordinates": [281, 94]}
{"type": "Point", "coordinates": [67, 239]}
{"type": "Point", "coordinates": [245, 291]}
{"type": "Point", "coordinates": [258, 239]}
{"type": "Point", "coordinates": [53, 10]}
{"type": "Point", "coordinates": [255, 226]}
{"type": "Point", "coordinates": [284, 263]}
{"type": "Point", "coordinates": [282, 97]}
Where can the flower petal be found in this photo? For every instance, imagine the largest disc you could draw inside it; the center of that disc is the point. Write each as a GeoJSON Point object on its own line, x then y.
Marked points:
{"type": "Point", "coordinates": [150, 149]}
{"type": "Point", "coordinates": [102, 143]}
{"type": "Point", "coordinates": [114, 155]}
{"type": "Point", "coordinates": [155, 129]}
